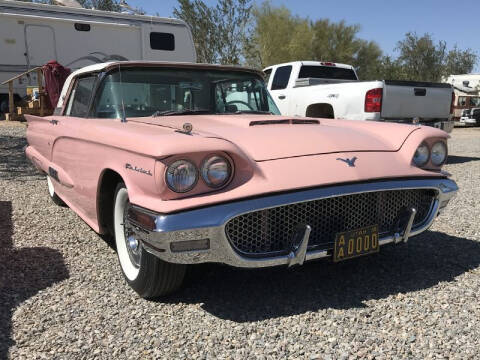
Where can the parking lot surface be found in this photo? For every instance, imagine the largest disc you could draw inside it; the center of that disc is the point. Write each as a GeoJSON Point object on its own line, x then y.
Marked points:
{"type": "Point", "coordinates": [62, 294]}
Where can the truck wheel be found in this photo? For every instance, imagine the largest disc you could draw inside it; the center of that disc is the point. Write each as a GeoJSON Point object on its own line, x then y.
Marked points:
{"type": "Point", "coordinates": [53, 194]}
{"type": "Point", "coordinates": [149, 276]}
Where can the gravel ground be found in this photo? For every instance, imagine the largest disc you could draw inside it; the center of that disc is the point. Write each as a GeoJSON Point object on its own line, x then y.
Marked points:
{"type": "Point", "coordinates": [62, 294]}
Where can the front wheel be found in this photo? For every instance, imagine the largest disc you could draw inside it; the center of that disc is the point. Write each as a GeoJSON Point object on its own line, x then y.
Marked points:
{"type": "Point", "coordinates": [149, 276]}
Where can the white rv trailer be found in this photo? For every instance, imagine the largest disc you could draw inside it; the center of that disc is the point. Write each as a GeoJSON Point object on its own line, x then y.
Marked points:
{"type": "Point", "coordinates": [467, 83]}
{"type": "Point", "coordinates": [32, 34]}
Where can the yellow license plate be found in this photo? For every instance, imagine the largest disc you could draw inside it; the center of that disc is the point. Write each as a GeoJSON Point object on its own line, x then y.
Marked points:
{"type": "Point", "coordinates": [350, 244]}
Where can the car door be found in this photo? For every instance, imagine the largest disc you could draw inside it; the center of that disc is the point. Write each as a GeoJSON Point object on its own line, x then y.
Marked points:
{"type": "Point", "coordinates": [278, 88]}
{"type": "Point", "coordinates": [41, 133]}
{"type": "Point", "coordinates": [67, 127]}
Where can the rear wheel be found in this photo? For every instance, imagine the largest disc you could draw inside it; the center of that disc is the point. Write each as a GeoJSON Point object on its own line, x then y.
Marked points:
{"type": "Point", "coordinates": [149, 276]}
{"type": "Point", "coordinates": [53, 194]}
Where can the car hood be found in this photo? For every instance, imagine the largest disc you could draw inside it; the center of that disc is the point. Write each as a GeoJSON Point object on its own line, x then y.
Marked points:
{"type": "Point", "coordinates": [266, 137]}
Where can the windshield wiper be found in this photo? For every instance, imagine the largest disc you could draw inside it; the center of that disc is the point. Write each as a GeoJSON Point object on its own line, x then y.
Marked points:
{"type": "Point", "coordinates": [180, 112]}
{"type": "Point", "coordinates": [253, 112]}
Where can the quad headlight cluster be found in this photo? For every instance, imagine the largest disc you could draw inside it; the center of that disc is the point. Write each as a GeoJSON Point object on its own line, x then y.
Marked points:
{"type": "Point", "coordinates": [183, 175]}
{"type": "Point", "coordinates": [436, 154]}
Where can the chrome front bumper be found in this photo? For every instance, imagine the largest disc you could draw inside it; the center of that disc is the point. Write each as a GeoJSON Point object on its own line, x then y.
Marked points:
{"type": "Point", "coordinates": [198, 236]}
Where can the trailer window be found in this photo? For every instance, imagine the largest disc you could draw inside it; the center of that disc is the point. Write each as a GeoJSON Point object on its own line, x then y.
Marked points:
{"type": "Point", "coordinates": [462, 101]}
{"type": "Point", "coordinates": [475, 101]}
{"type": "Point", "coordinates": [327, 72]}
{"type": "Point", "coordinates": [80, 97]}
{"type": "Point", "coordinates": [281, 77]}
{"type": "Point", "coordinates": [162, 41]}
{"type": "Point", "coordinates": [82, 27]}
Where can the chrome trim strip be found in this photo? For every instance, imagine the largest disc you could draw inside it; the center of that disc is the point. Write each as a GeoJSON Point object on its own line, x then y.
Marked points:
{"type": "Point", "coordinates": [210, 223]}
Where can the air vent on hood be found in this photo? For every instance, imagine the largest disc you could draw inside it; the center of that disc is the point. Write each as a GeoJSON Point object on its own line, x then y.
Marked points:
{"type": "Point", "coordinates": [285, 122]}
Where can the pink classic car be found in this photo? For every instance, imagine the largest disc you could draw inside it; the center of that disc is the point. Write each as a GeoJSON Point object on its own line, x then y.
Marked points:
{"type": "Point", "coordinates": [192, 163]}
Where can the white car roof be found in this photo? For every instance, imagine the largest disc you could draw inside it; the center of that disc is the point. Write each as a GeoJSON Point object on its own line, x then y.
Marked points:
{"type": "Point", "coordinates": [86, 69]}
{"type": "Point", "coordinates": [95, 68]}
{"type": "Point", "coordinates": [311, 63]}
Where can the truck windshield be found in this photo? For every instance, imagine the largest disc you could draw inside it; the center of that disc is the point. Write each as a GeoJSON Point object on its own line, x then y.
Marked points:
{"type": "Point", "coordinates": [167, 91]}
{"type": "Point", "coordinates": [327, 72]}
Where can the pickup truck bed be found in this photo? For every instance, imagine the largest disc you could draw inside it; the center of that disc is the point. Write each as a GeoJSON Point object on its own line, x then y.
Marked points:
{"type": "Point", "coordinates": [344, 97]}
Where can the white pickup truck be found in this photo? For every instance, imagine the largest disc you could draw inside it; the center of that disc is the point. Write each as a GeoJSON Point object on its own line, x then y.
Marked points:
{"type": "Point", "coordinates": [331, 90]}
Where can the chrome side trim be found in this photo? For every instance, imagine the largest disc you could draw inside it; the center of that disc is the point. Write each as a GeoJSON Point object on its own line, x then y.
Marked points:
{"type": "Point", "coordinates": [209, 223]}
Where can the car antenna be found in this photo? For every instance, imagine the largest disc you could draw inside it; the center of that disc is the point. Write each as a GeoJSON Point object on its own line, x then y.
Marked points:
{"type": "Point", "coordinates": [124, 117]}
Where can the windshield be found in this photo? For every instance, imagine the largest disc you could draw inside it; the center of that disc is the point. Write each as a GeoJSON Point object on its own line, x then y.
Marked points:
{"type": "Point", "coordinates": [167, 91]}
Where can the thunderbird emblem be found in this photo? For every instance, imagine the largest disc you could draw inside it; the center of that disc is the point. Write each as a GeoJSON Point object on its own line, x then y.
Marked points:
{"type": "Point", "coordinates": [350, 162]}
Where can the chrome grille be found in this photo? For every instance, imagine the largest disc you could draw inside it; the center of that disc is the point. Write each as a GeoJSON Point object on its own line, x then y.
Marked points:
{"type": "Point", "coordinates": [271, 230]}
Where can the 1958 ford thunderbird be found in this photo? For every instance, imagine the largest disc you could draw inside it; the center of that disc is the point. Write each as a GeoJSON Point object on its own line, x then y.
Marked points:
{"type": "Point", "coordinates": [192, 163]}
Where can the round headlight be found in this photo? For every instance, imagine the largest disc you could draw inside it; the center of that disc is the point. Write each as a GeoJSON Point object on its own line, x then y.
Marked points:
{"type": "Point", "coordinates": [181, 176]}
{"type": "Point", "coordinates": [439, 153]}
{"type": "Point", "coordinates": [216, 171]}
{"type": "Point", "coordinates": [421, 155]}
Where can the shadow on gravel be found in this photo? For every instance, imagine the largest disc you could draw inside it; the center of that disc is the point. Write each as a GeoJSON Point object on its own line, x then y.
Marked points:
{"type": "Point", "coordinates": [13, 163]}
{"type": "Point", "coordinates": [23, 273]}
{"type": "Point", "coordinates": [453, 159]}
{"type": "Point", "coordinates": [254, 295]}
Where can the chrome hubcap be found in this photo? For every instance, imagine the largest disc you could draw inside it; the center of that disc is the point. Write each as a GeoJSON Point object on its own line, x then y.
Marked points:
{"type": "Point", "coordinates": [134, 247]}
{"type": "Point", "coordinates": [132, 243]}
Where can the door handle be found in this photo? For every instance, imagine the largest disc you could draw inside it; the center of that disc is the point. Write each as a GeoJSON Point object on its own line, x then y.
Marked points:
{"type": "Point", "coordinates": [420, 92]}
{"type": "Point", "coordinates": [53, 122]}
{"type": "Point", "coordinates": [281, 97]}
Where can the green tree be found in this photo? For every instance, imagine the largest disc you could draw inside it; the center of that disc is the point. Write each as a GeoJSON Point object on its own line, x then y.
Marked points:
{"type": "Point", "coordinates": [277, 37]}
{"type": "Point", "coordinates": [231, 20]}
{"type": "Point", "coordinates": [335, 42]}
{"type": "Point", "coordinates": [107, 5]}
{"type": "Point", "coordinates": [200, 18]}
{"type": "Point", "coordinates": [421, 58]}
{"type": "Point", "coordinates": [338, 42]}
{"type": "Point", "coordinates": [368, 60]}
{"type": "Point", "coordinates": [391, 69]}
{"type": "Point", "coordinates": [220, 31]}
{"type": "Point", "coordinates": [460, 61]}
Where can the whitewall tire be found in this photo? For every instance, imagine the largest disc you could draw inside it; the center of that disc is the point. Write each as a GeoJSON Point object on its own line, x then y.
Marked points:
{"type": "Point", "coordinates": [149, 276]}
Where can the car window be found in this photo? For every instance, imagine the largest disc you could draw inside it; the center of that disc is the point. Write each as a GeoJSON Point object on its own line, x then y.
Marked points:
{"type": "Point", "coordinates": [80, 97]}
{"type": "Point", "coordinates": [281, 77]}
{"type": "Point", "coordinates": [242, 95]}
{"type": "Point", "coordinates": [327, 72]}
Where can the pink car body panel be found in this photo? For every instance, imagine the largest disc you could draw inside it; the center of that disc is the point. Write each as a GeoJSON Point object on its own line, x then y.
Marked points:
{"type": "Point", "coordinates": [267, 158]}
